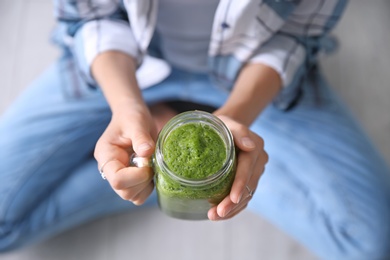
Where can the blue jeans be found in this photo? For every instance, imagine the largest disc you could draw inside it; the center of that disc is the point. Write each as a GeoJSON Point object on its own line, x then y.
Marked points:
{"type": "Point", "coordinates": [325, 184]}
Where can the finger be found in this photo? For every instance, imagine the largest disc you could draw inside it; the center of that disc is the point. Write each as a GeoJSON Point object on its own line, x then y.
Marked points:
{"type": "Point", "coordinates": [128, 177]}
{"type": "Point", "coordinates": [245, 165]}
{"type": "Point", "coordinates": [105, 152]}
{"type": "Point", "coordinates": [212, 214]}
{"type": "Point", "coordinates": [226, 205]}
{"type": "Point", "coordinates": [257, 173]}
{"type": "Point", "coordinates": [245, 169]}
{"type": "Point", "coordinates": [141, 197]}
{"type": "Point", "coordinates": [236, 211]}
{"type": "Point", "coordinates": [131, 193]}
{"type": "Point", "coordinates": [110, 167]}
{"type": "Point", "coordinates": [237, 208]}
{"type": "Point", "coordinates": [243, 138]}
{"type": "Point", "coordinates": [247, 196]}
{"type": "Point", "coordinates": [139, 132]}
{"type": "Point", "coordinates": [222, 209]}
{"type": "Point", "coordinates": [250, 145]}
{"type": "Point", "coordinates": [121, 177]}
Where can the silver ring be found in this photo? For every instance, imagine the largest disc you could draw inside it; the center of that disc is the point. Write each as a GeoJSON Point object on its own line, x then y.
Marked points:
{"type": "Point", "coordinates": [249, 191]}
{"type": "Point", "coordinates": [101, 170]}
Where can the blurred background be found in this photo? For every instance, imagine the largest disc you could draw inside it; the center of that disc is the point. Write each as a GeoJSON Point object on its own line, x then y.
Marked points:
{"type": "Point", "coordinates": [359, 71]}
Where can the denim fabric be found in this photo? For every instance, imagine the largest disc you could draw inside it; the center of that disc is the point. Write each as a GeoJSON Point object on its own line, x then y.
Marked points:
{"type": "Point", "coordinates": [325, 184]}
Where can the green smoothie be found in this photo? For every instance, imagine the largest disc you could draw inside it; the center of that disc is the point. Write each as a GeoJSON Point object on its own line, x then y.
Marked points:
{"type": "Point", "coordinates": [194, 151]}
{"type": "Point", "coordinates": [197, 173]}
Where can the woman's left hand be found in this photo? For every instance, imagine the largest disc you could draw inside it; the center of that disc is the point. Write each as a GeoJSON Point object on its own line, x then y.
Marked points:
{"type": "Point", "coordinates": [251, 161]}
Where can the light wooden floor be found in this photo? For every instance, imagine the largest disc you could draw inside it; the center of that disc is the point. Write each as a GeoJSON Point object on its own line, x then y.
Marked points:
{"type": "Point", "coordinates": [359, 71]}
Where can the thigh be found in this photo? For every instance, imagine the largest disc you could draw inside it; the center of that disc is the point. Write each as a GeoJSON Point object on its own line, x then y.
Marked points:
{"type": "Point", "coordinates": [325, 183]}
{"type": "Point", "coordinates": [49, 178]}
{"type": "Point", "coordinates": [48, 132]}
{"type": "Point", "coordinates": [80, 198]}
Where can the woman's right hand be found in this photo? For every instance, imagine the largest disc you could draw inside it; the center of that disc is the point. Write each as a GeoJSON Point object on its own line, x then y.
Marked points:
{"type": "Point", "coordinates": [131, 130]}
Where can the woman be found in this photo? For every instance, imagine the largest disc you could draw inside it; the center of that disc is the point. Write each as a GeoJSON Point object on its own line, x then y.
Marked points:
{"type": "Point", "coordinates": [253, 62]}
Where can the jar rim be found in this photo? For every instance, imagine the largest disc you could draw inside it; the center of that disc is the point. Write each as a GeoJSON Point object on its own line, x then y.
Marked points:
{"type": "Point", "coordinates": [197, 116]}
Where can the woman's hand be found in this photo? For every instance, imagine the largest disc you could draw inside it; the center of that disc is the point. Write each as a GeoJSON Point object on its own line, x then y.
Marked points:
{"type": "Point", "coordinates": [250, 166]}
{"type": "Point", "coordinates": [131, 130]}
{"type": "Point", "coordinates": [255, 88]}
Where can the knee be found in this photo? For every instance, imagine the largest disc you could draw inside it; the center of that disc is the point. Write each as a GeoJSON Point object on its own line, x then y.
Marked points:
{"type": "Point", "coordinates": [14, 226]}
{"type": "Point", "coordinates": [368, 243]}
{"type": "Point", "coordinates": [10, 237]}
{"type": "Point", "coordinates": [367, 238]}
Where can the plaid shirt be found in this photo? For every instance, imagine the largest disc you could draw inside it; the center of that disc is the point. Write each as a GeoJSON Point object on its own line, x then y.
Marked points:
{"type": "Point", "coordinates": [283, 34]}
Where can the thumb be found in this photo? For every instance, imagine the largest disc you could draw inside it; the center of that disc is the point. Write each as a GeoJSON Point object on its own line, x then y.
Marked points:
{"type": "Point", "coordinates": [143, 144]}
{"type": "Point", "coordinates": [246, 144]}
{"type": "Point", "coordinates": [241, 134]}
{"type": "Point", "coordinates": [141, 138]}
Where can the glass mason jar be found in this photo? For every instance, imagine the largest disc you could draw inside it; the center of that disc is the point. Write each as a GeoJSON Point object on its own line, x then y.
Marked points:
{"type": "Point", "coordinates": [182, 192]}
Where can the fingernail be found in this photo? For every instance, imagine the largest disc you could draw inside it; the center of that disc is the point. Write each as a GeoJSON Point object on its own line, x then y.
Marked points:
{"type": "Point", "coordinates": [247, 142]}
{"type": "Point", "coordinates": [144, 147]}
{"type": "Point", "coordinates": [239, 197]}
